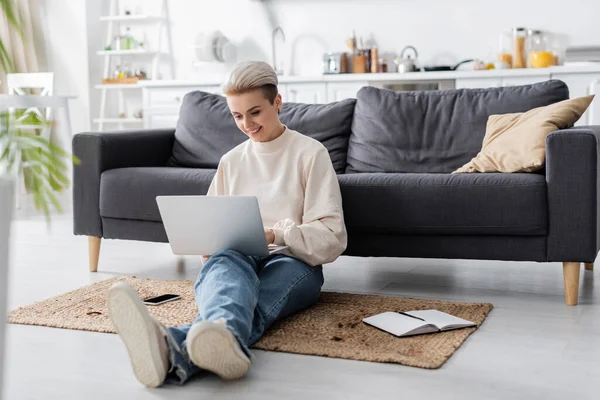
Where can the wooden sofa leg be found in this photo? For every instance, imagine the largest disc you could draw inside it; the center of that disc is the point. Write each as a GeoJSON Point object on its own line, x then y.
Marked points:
{"type": "Point", "coordinates": [571, 275]}
{"type": "Point", "coordinates": [94, 252]}
{"type": "Point", "coordinates": [589, 266]}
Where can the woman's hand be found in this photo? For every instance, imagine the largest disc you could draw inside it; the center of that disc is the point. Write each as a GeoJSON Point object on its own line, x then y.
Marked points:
{"type": "Point", "coordinates": [270, 235]}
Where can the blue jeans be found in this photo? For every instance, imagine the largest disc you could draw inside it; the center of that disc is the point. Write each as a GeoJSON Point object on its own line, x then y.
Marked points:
{"type": "Point", "coordinates": [250, 293]}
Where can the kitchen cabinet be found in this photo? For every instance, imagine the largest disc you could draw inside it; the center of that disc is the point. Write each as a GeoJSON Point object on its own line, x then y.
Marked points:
{"type": "Point", "coordinates": [161, 104]}
{"type": "Point", "coordinates": [162, 100]}
{"type": "Point", "coordinates": [524, 80]}
{"type": "Point", "coordinates": [169, 98]}
{"type": "Point", "coordinates": [480, 83]}
{"type": "Point", "coordinates": [337, 91]}
{"type": "Point", "coordinates": [583, 85]}
{"type": "Point", "coordinates": [310, 93]}
{"type": "Point", "coordinates": [477, 83]}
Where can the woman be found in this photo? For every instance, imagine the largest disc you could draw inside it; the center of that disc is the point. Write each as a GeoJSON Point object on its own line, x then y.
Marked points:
{"type": "Point", "coordinates": [239, 296]}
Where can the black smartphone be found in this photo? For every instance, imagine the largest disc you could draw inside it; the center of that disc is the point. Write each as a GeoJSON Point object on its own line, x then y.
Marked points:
{"type": "Point", "coordinates": [165, 298]}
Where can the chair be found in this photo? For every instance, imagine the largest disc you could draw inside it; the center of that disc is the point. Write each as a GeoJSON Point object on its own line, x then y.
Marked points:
{"type": "Point", "coordinates": [44, 81]}
{"type": "Point", "coordinates": [20, 98]}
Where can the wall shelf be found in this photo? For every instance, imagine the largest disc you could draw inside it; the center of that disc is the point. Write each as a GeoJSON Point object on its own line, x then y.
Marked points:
{"type": "Point", "coordinates": [118, 120]}
{"type": "Point", "coordinates": [153, 55]}
{"type": "Point", "coordinates": [130, 18]}
{"type": "Point", "coordinates": [118, 86]}
{"type": "Point", "coordinates": [134, 52]}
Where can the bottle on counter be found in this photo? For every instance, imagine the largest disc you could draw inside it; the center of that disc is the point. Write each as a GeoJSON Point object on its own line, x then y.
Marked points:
{"type": "Point", "coordinates": [117, 42]}
{"type": "Point", "coordinates": [127, 42]}
{"type": "Point", "coordinates": [374, 60]}
{"type": "Point", "coordinates": [518, 59]}
{"type": "Point", "coordinates": [382, 65]}
{"type": "Point", "coordinates": [367, 54]}
{"type": "Point", "coordinates": [538, 50]}
{"type": "Point", "coordinates": [505, 51]}
{"type": "Point", "coordinates": [118, 73]}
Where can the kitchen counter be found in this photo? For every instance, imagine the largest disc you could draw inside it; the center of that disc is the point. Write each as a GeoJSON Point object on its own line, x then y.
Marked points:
{"type": "Point", "coordinates": [162, 99]}
{"type": "Point", "coordinates": [378, 77]}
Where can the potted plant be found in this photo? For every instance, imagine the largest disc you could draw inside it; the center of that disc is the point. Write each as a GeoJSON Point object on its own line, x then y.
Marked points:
{"type": "Point", "coordinates": [40, 164]}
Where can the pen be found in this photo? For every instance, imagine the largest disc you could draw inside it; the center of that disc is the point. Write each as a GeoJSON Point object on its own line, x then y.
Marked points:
{"type": "Point", "coordinates": [408, 315]}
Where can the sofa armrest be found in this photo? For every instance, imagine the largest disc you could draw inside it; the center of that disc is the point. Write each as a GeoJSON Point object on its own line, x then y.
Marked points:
{"type": "Point", "coordinates": [101, 151]}
{"type": "Point", "coordinates": [572, 177]}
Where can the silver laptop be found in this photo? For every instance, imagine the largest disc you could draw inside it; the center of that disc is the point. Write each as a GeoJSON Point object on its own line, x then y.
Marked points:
{"type": "Point", "coordinates": [203, 225]}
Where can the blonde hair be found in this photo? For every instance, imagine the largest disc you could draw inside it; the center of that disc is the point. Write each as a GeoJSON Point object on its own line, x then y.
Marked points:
{"type": "Point", "coordinates": [248, 76]}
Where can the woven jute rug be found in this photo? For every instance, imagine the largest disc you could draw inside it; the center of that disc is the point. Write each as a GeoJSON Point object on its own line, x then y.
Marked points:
{"type": "Point", "coordinates": [332, 328]}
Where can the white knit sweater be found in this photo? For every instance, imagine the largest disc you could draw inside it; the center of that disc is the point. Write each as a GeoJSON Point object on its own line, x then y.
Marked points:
{"type": "Point", "coordinates": [297, 190]}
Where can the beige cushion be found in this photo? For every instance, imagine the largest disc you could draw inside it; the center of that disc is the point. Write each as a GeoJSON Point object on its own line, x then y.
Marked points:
{"type": "Point", "coordinates": [517, 142]}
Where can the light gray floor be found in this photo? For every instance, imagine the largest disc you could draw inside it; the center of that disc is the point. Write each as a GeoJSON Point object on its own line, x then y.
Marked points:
{"type": "Point", "coordinates": [532, 346]}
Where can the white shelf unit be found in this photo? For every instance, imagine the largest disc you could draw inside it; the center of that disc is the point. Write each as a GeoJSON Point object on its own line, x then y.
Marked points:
{"type": "Point", "coordinates": [135, 52]}
{"type": "Point", "coordinates": [117, 86]}
{"type": "Point", "coordinates": [119, 120]}
{"type": "Point", "coordinates": [114, 22]}
{"type": "Point", "coordinates": [131, 18]}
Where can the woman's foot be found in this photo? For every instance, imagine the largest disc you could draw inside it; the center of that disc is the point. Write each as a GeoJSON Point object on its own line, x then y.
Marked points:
{"type": "Point", "coordinates": [142, 334]}
{"type": "Point", "coordinates": [213, 347]}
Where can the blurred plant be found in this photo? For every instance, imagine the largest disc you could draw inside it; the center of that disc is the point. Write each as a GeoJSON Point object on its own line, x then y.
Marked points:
{"type": "Point", "coordinates": [15, 21]}
{"type": "Point", "coordinates": [41, 163]}
{"type": "Point", "coordinates": [23, 153]}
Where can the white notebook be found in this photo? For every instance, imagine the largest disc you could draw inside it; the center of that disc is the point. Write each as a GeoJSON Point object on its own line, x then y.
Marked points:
{"type": "Point", "coordinates": [416, 322]}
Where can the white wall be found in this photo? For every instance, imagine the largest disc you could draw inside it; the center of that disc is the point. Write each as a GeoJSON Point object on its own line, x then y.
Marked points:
{"type": "Point", "coordinates": [64, 30]}
{"type": "Point", "coordinates": [443, 31]}
{"type": "Point", "coordinates": [96, 36]}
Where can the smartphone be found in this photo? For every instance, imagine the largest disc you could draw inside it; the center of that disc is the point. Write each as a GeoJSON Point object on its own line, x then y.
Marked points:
{"type": "Point", "coordinates": [165, 298]}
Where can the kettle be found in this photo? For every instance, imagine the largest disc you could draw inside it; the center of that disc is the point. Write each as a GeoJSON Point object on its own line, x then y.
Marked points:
{"type": "Point", "coordinates": [406, 64]}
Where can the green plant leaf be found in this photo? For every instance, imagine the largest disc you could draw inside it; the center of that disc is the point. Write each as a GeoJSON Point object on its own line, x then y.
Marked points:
{"type": "Point", "coordinates": [13, 16]}
{"type": "Point", "coordinates": [54, 201]}
{"type": "Point", "coordinates": [6, 62]}
{"type": "Point", "coordinates": [42, 164]}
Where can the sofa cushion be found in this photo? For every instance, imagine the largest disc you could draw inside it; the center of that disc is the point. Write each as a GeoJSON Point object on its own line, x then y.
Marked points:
{"type": "Point", "coordinates": [206, 130]}
{"type": "Point", "coordinates": [130, 193]}
{"type": "Point", "coordinates": [433, 131]}
{"type": "Point", "coordinates": [517, 142]}
{"type": "Point", "coordinates": [443, 204]}
{"type": "Point", "coordinates": [329, 123]}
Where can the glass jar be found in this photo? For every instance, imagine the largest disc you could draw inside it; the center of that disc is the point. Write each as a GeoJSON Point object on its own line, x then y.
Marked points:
{"type": "Point", "coordinates": [505, 56]}
{"type": "Point", "coordinates": [558, 46]}
{"type": "Point", "coordinates": [518, 59]}
{"type": "Point", "coordinates": [539, 54]}
{"type": "Point", "coordinates": [382, 65]}
{"type": "Point", "coordinates": [118, 73]}
{"type": "Point", "coordinates": [126, 70]}
{"type": "Point", "coordinates": [127, 42]}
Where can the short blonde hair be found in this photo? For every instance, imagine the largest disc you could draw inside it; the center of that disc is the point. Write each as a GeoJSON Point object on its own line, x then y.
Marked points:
{"type": "Point", "coordinates": [248, 76]}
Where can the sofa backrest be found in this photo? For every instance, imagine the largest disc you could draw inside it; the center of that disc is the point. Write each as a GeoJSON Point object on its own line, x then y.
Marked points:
{"type": "Point", "coordinates": [433, 131]}
{"type": "Point", "coordinates": [206, 130]}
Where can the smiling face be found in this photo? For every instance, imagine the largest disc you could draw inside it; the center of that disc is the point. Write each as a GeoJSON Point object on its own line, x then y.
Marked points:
{"type": "Point", "coordinates": [255, 115]}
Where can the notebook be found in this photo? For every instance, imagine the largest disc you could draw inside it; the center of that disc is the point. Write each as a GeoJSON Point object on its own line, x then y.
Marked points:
{"type": "Point", "coordinates": [416, 322]}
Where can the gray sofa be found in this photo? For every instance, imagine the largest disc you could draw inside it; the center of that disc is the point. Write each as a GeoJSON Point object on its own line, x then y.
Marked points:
{"type": "Point", "coordinates": [393, 152]}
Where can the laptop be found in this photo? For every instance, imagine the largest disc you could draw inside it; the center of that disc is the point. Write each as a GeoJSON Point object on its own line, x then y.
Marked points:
{"type": "Point", "coordinates": [203, 225]}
